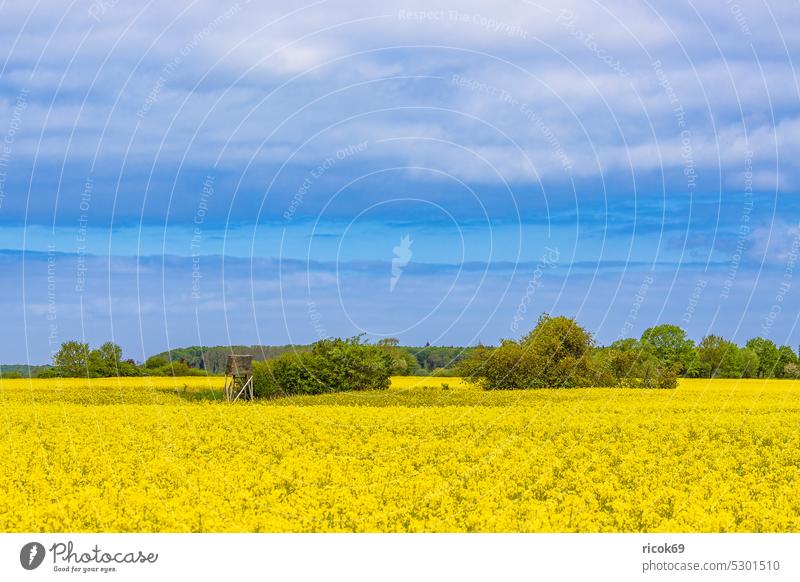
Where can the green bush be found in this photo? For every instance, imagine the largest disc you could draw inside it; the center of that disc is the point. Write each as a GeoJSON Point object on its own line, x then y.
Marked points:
{"type": "Point", "coordinates": [502, 368]}
{"type": "Point", "coordinates": [556, 354]}
{"type": "Point", "coordinates": [634, 365]}
{"type": "Point", "coordinates": [649, 372]}
{"type": "Point", "coordinates": [791, 371]}
{"type": "Point", "coordinates": [332, 365]}
{"type": "Point", "coordinates": [609, 365]}
{"type": "Point", "coordinates": [265, 379]}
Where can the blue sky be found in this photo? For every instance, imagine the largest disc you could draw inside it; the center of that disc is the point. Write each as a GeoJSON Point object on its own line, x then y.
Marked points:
{"type": "Point", "coordinates": [209, 172]}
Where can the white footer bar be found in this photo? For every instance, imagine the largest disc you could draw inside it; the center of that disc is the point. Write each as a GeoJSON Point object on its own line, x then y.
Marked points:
{"type": "Point", "coordinates": [385, 557]}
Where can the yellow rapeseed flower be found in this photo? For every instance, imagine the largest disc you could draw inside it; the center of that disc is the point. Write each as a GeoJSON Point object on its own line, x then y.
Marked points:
{"type": "Point", "coordinates": [169, 455]}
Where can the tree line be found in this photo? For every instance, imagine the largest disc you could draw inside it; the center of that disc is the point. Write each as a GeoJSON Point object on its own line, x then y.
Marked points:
{"type": "Point", "coordinates": [661, 353]}
{"type": "Point", "coordinates": [713, 356]}
{"type": "Point", "coordinates": [424, 360]}
{"type": "Point", "coordinates": [559, 353]}
{"type": "Point", "coordinates": [76, 360]}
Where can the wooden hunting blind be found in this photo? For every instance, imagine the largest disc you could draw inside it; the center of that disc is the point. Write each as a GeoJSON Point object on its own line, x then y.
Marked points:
{"type": "Point", "coordinates": [239, 378]}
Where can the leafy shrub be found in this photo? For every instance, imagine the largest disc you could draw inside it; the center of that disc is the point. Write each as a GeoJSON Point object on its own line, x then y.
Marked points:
{"type": "Point", "coordinates": [634, 365]}
{"type": "Point", "coordinates": [556, 354]}
{"type": "Point", "coordinates": [649, 372]}
{"type": "Point", "coordinates": [791, 371]}
{"type": "Point", "coordinates": [332, 365]}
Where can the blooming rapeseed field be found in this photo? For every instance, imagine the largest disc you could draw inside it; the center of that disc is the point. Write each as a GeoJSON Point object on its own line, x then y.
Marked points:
{"type": "Point", "coordinates": [164, 454]}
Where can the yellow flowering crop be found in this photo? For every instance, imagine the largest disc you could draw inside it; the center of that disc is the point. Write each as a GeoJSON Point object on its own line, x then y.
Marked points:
{"type": "Point", "coordinates": [158, 454]}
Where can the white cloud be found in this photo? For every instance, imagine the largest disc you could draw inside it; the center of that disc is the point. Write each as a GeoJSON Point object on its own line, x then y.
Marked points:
{"type": "Point", "coordinates": [206, 77]}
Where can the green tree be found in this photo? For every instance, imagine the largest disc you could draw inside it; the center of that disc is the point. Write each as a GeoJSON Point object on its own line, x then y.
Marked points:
{"type": "Point", "coordinates": [403, 363]}
{"type": "Point", "coordinates": [624, 360]}
{"type": "Point", "coordinates": [791, 371]}
{"type": "Point", "coordinates": [506, 367]}
{"type": "Point", "coordinates": [719, 358]}
{"type": "Point", "coordinates": [72, 360]}
{"type": "Point", "coordinates": [786, 356]}
{"type": "Point", "coordinates": [767, 353]}
{"type": "Point", "coordinates": [750, 363]}
{"type": "Point", "coordinates": [625, 345]}
{"type": "Point", "coordinates": [561, 350]}
{"type": "Point", "coordinates": [670, 345]}
{"type": "Point", "coordinates": [612, 363]}
{"type": "Point", "coordinates": [557, 353]}
{"type": "Point", "coordinates": [104, 362]}
{"type": "Point", "coordinates": [430, 358]}
{"type": "Point", "coordinates": [695, 367]}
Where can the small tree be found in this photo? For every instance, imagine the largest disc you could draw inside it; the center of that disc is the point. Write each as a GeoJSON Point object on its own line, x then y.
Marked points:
{"type": "Point", "coordinates": [651, 373]}
{"type": "Point", "coordinates": [561, 351]}
{"type": "Point", "coordinates": [72, 360]}
{"type": "Point", "coordinates": [767, 353]}
{"type": "Point", "coordinates": [557, 353]}
{"type": "Point", "coordinates": [719, 358]}
{"type": "Point", "coordinates": [791, 371]}
{"type": "Point", "coordinates": [670, 345]}
{"type": "Point", "coordinates": [750, 363]}
{"type": "Point", "coordinates": [786, 356]}
{"type": "Point", "coordinates": [105, 361]}
{"type": "Point", "coordinates": [504, 368]}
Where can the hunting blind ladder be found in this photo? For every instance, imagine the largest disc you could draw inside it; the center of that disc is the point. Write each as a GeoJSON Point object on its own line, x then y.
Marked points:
{"type": "Point", "coordinates": [239, 378]}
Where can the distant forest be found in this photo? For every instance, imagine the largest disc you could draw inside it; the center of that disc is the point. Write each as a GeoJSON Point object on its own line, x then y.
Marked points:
{"type": "Point", "coordinates": [20, 370]}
